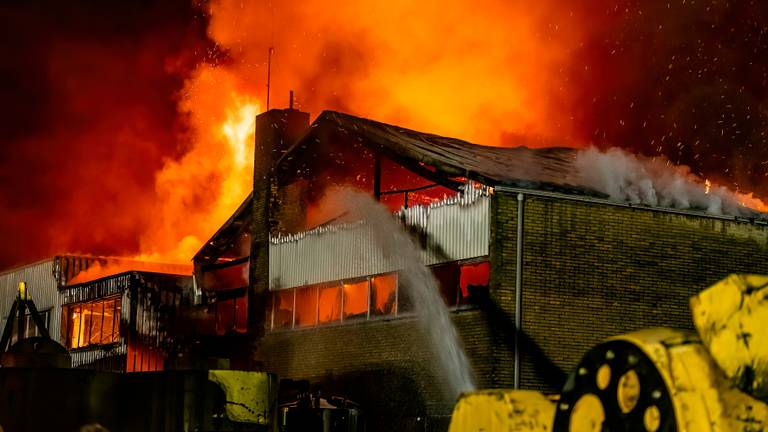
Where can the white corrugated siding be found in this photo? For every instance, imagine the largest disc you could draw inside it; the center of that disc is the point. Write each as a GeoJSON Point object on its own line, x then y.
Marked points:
{"type": "Point", "coordinates": [42, 287]}
{"type": "Point", "coordinates": [88, 356]}
{"type": "Point", "coordinates": [460, 229]}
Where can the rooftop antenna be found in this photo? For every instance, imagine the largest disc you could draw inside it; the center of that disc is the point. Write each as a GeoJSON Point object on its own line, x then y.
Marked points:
{"type": "Point", "coordinates": [269, 72]}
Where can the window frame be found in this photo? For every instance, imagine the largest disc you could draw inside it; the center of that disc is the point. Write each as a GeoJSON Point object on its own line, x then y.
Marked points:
{"type": "Point", "coordinates": [398, 313]}
{"type": "Point", "coordinates": [67, 323]}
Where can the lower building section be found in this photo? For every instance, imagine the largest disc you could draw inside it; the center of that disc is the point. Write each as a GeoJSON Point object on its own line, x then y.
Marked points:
{"type": "Point", "coordinates": [384, 365]}
{"type": "Point", "coordinates": [171, 401]}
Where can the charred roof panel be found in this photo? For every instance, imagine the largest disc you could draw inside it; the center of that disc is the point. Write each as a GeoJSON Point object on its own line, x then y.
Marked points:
{"type": "Point", "coordinates": [540, 168]}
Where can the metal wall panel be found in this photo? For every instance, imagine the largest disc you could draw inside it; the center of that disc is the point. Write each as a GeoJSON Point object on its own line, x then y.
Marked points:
{"type": "Point", "coordinates": [457, 229]}
{"type": "Point", "coordinates": [42, 286]}
{"type": "Point", "coordinates": [91, 356]}
{"type": "Point", "coordinates": [97, 289]}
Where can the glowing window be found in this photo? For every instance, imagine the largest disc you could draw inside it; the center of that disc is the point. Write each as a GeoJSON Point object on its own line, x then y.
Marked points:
{"type": "Point", "coordinates": [384, 295]}
{"type": "Point", "coordinates": [97, 322]}
{"type": "Point", "coordinates": [227, 275]}
{"type": "Point", "coordinates": [306, 306]}
{"type": "Point", "coordinates": [329, 304]}
{"type": "Point", "coordinates": [92, 323]}
{"type": "Point", "coordinates": [356, 300]}
{"type": "Point", "coordinates": [283, 310]}
{"type": "Point", "coordinates": [111, 321]}
{"type": "Point", "coordinates": [474, 281]}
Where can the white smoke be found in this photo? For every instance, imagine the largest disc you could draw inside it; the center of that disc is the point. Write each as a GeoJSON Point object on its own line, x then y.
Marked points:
{"type": "Point", "coordinates": [421, 285]}
{"type": "Point", "coordinates": [626, 177]}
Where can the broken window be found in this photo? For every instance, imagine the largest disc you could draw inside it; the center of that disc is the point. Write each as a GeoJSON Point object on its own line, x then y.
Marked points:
{"type": "Point", "coordinates": [329, 303]}
{"type": "Point", "coordinates": [376, 296]}
{"type": "Point", "coordinates": [306, 307]}
{"type": "Point", "coordinates": [111, 320]}
{"type": "Point", "coordinates": [474, 282]}
{"type": "Point", "coordinates": [92, 323]}
{"type": "Point", "coordinates": [231, 310]}
{"type": "Point", "coordinates": [384, 295]}
{"type": "Point", "coordinates": [356, 300]}
{"type": "Point", "coordinates": [447, 276]}
{"type": "Point", "coordinates": [401, 187]}
{"type": "Point", "coordinates": [226, 275]}
{"type": "Point", "coordinates": [282, 315]}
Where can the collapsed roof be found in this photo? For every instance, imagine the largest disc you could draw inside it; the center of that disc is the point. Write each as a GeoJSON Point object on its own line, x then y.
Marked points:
{"type": "Point", "coordinates": [436, 157]}
{"type": "Point", "coordinates": [531, 168]}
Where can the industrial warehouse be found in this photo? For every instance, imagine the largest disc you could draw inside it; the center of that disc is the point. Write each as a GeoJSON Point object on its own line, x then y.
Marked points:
{"type": "Point", "coordinates": [534, 268]}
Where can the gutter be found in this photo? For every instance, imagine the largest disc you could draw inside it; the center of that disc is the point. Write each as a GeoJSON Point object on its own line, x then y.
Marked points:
{"type": "Point", "coordinates": [519, 286]}
{"type": "Point", "coordinates": [595, 200]}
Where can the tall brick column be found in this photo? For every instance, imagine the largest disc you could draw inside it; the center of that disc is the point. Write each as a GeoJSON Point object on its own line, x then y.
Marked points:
{"type": "Point", "coordinates": [276, 131]}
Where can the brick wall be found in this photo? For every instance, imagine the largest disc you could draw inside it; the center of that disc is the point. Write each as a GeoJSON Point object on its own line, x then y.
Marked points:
{"type": "Point", "coordinates": [592, 270]}
{"type": "Point", "coordinates": [383, 364]}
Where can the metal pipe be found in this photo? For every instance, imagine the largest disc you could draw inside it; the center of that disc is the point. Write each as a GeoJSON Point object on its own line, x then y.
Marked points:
{"type": "Point", "coordinates": [269, 72]}
{"type": "Point", "coordinates": [519, 287]}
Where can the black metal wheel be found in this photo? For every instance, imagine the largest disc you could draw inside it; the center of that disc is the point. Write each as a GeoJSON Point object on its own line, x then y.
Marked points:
{"type": "Point", "coordinates": [616, 388]}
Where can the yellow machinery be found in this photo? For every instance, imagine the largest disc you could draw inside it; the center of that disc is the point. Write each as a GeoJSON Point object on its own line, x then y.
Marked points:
{"type": "Point", "coordinates": [502, 411]}
{"type": "Point", "coordinates": [732, 319]}
{"type": "Point", "coordinates": [656, 379]}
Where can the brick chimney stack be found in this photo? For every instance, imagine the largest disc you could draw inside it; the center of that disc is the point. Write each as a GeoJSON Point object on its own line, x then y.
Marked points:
{"type": "Point", "coordinates": [276, 131]}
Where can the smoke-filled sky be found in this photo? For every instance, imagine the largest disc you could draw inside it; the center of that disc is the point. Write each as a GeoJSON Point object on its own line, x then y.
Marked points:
{"type": "Point", "coordinates": [123, 123]}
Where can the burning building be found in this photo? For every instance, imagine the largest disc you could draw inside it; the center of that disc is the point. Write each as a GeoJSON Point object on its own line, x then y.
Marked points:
{"type": "Point", "coordinates": [534, 265]}
{"type": "Point", "coordinates": [111, 314]}
{"type": "Point", "coordinates": [45, 278]}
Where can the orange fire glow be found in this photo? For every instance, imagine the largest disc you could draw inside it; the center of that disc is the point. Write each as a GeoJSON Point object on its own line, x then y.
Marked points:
{"type": "Point", "coordinates": [119, 265]}
{"type": "Point", "coordinates": [202, 189]}
{"type": "Point", "coordinates": [498, 81]}
{"type": "Point", "coordinates": [750, 201]}
{"type": "Point", "coordinates": [438, 75]}
{"type": "Point", "coordinates": [500, 75]}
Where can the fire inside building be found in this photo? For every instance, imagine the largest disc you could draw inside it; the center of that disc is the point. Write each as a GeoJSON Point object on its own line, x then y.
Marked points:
{"type": "Point", "coordinates": [533, 268]}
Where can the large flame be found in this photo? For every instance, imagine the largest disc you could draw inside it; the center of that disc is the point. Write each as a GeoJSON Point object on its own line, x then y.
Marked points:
{"type": "Point", "coordinates": [493, 72]}
{"type": "Point", "coordinates": [435, 74]}
{"type": "Point", "coordinates": [479, 70]}
{"type": "Point", "coordinates": [201, 190]}
{"type": "Point", "coordinates": [140, 145]}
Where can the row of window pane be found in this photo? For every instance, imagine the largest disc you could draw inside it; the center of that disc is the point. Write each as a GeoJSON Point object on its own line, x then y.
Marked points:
{"type": "Point", "coordinates": [347, 300]}
{"type": "Point", "coordinates": [376, 296]}
{"type": "Point", "coordinates": [92, 323]}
